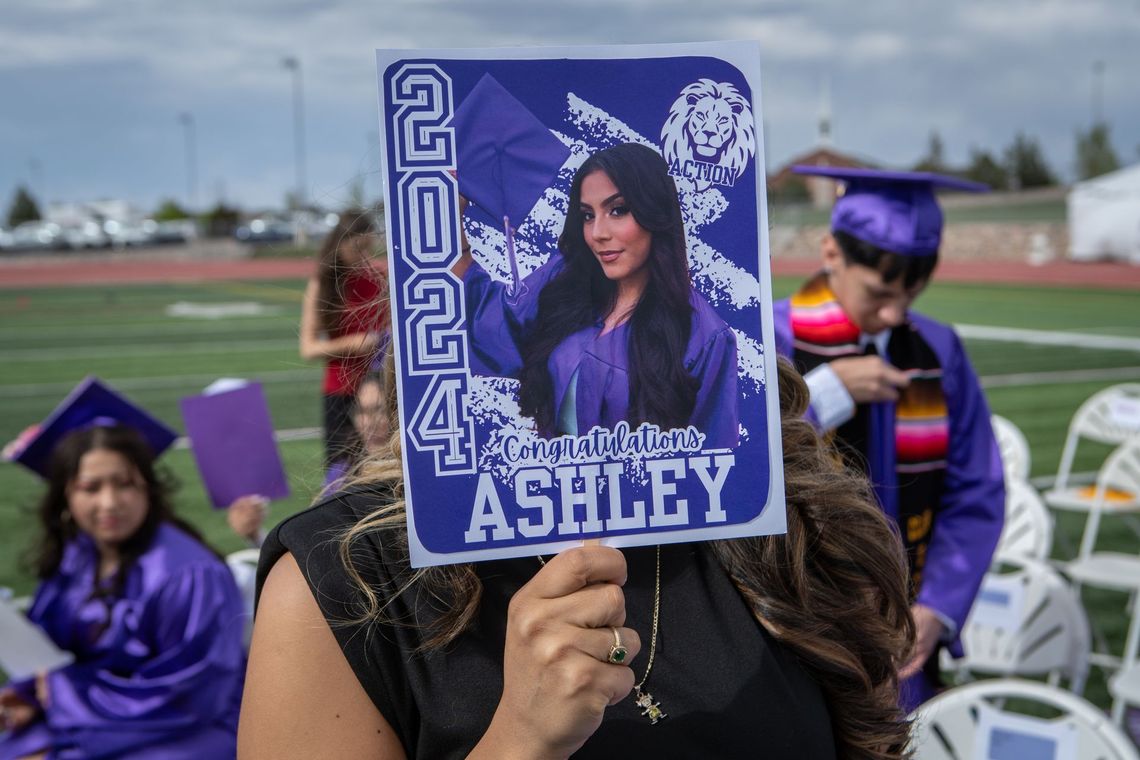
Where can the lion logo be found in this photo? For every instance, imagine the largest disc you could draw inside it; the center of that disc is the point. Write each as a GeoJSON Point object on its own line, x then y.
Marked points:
{"type": "Point", "coordinates": [709, 136]}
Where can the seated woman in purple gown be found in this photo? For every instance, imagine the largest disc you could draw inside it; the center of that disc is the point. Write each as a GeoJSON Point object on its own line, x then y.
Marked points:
{"type": "Point", "coordinates": [151, 614]}
{"type": "Point", "coordinates": [610, 328]}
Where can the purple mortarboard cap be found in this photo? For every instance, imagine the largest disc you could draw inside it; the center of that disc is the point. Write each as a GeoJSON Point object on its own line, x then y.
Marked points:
{"type": "Point", "coordinates": [506, 157]}
{"type": "Point", "coordinates": [91, 403]}
{"type": "Point", "coordinates": [895, 211]}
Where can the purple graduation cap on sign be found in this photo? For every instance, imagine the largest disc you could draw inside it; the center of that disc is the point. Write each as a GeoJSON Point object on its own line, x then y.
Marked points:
{"type": "Point", "coordinates": [231, 436]}
{"type": "Point", "coordinates": [91, 403]}
{"type": "Point", "coordinates": [895, 211]}
{"type": "Point", "coordinates": [506, 157]}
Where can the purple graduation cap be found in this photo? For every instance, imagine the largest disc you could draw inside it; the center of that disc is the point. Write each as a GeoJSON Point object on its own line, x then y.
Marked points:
{"type": "Point", "coordinates": [895, 211]}
{"type": "Point", "coordinates": [91, 403]}
{"type": "Point", "coordinates": [506, 157]}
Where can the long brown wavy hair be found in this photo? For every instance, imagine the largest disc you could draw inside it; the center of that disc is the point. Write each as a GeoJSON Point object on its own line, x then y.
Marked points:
{"type": "Point", "coordinates": [332, 271]}
{"type": "Point", "coordinates": [833, 590]}
{"type": "Point", "coordinates": [661, 390]}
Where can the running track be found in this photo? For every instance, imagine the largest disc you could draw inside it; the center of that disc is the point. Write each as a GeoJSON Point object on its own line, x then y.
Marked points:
{"type": "Point", "coordinates": [60, 273]}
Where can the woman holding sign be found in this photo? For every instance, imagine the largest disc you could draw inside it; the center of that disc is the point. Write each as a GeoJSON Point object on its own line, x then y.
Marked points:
{"type": "Point", "coordinates": [781, 646]}
{"type": "Point", "coordinates": [150, 614]}
{"type": "Point", "coordinates": [610, 329]}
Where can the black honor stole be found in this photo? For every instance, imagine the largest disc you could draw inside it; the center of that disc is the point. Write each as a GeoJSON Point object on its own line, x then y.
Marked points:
{"type": "Point", "coordinates": [822, 332]}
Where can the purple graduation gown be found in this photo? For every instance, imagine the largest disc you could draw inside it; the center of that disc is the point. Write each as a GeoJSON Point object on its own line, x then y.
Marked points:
{"type": "Point", "coordinates": [968, 522]}
{"type": "Point", "coordinates": [158, 673]}
{"type": "Point", "coordinates": [497, 323]}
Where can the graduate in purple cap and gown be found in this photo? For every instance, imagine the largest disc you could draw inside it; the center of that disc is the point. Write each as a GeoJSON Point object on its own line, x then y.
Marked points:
{"type": "Point", "coordinates": [152, 616]}
{"type": "Point", "coordinates": [896, 392]}
{"type": "Point", "coordinates": [610, 329]}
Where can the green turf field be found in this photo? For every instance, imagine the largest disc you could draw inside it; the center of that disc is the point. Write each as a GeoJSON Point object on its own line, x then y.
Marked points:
{"type": "Point", "coordinates": [51, 338]}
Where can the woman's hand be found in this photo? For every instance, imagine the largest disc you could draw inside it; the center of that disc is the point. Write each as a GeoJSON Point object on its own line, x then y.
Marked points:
{"type": "Point", "coordinates": [246, 515]}
{"type": "Point", "coordinates": [870, 379]}
{"type": "Point", "coordinates": [310, 333]}
{"type": "Point", "coordinates": [557, 682]}
{"type": "Point", "coordinates": [15, 711]}
{"type": "Point", "coordinates": [929, 630]}
{"type": "Point", "coordinates": [459, 268]}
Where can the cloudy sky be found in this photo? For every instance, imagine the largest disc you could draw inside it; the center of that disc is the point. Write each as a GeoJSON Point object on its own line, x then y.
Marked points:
{"type": "Point", "coordinates": [92, 91]}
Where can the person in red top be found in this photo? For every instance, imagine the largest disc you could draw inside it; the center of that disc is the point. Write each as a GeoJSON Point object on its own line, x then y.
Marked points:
{"type": "Point", "coordinates": [344, 316]}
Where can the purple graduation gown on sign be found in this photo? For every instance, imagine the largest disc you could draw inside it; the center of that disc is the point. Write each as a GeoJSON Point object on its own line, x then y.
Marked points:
{"type": "Point", "coordinates": [969, 519]}
{"type": "Point", "coordinates": [158, 673]}
{"type": "Point", "coordinates": [497, 322]}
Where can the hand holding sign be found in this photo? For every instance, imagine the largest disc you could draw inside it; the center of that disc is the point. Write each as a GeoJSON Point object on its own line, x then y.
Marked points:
{"type": "Point", "coordinates": [15, 711]}
{"type": "Point", "coordinates": [556, 680]}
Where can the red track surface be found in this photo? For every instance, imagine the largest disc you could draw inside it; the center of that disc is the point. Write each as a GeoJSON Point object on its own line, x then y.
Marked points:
{"type": "Point", "coordinates": [60, 273]}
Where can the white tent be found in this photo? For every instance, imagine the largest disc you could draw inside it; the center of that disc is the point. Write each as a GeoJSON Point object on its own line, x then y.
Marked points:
{"type": "Point", "coordinates": [1104, 217]}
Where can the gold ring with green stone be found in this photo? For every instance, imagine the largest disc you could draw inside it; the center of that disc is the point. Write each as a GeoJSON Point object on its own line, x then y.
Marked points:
{"type": "Point", "coordinates": [618, 653]}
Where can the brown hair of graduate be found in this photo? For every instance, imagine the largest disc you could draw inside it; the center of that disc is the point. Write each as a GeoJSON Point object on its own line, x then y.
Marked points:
{"type": "Point", "coordinates": [56, 526]}
{"type": "Point", "coordinates": [833, 590]}
{"type": "Point", "coordinates": [332, 271]}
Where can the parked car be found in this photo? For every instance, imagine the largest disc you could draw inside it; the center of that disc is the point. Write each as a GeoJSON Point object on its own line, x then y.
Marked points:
{"type": "Point", "coordinates": [265, 230]}
{"type": "Point", "coordinates": [35, 236]}
{"type": "Point", "coordinates": [125, 233]}
{"type": "Point", "coordinates": [179, 231]}
{"type": "Point", "coordinates": [88, 234]}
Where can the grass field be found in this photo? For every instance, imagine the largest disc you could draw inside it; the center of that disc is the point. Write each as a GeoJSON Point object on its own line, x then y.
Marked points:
{"type": "Point", "coordinates": [52, 338]}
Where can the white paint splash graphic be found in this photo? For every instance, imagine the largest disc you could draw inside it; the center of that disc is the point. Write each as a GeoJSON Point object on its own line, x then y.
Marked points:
{"type": "Point", "coordinates": [750, 357]}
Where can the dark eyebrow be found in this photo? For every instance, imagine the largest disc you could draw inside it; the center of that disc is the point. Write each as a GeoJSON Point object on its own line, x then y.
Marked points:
{"type": "Point", "coordinates": [607, 202]}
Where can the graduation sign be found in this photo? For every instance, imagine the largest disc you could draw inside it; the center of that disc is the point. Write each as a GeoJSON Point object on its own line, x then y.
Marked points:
{"type": "Point", "coordinates": [580, 296]}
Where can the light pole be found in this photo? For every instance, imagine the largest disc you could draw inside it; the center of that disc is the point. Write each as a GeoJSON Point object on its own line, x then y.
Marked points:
{"type": "Point", "coordinates": [1097, 92]}
{"type": "Point", "coordinates": [294, 65]}
{"type": "Point", "coordinates": [36, 176]}
{"type": "Point", "coordinates": [187, 121]}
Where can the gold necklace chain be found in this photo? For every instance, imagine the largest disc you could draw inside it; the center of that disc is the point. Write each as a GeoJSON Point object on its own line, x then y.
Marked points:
{"type": "Point", "coordinates": [650, 708]}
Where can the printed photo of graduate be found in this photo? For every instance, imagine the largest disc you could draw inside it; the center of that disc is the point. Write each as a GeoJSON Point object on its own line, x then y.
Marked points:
{"type": "Point", "coordinates": [580, 295]}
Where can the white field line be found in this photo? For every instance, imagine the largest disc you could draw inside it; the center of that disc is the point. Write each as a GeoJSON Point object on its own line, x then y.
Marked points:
{"type": "Point", "coordinates": [1049, 337]}
{"type": "Point", "coordinates": [31, 390]}
{"type": "Point", "coordinates": [1060, 377]}
{"type": "Point", "coordinates": [282, 436]}
{"type": "Point", "coordinates": [156, 329]}
{"type": "Point", "coordinates": [28, 355]}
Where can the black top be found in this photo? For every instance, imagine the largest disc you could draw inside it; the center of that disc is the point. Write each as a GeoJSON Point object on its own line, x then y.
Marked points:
{"type": "Point", "coordinates": [728, 688]}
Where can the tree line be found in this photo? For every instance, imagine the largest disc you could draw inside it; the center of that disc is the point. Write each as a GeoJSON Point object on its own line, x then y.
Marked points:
{"type": "Point", "coordinates": [1022, 165]}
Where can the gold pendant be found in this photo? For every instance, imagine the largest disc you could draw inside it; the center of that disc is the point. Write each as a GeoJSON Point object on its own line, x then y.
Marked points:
{"type": "Point", "coordinates": [650, 708]}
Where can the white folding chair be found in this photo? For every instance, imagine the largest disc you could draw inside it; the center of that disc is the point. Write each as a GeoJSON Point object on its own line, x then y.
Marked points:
{"type": "Point", "coordinates": [1109, 416]}
{"type": "Point", "coordinates": [1013, 448]}
{"type": "Point", "coordinates": [979, 721]}
{"type": "Point", "coordinates": [1125, 690]}
{"type": "Point", "coordinates": [243, 565]}
{"type": "Point", "coordinates": [22, 603]}
{"type": "Point", "coordinates": [1116, 492]}
{"type": "Point", "coordinates": [1114, 570]}
{"type": "Point", "coordinates": [1026, 621]}
{"type": "Point", "coordinates": [1028, 528]}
